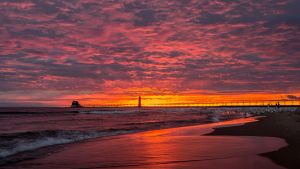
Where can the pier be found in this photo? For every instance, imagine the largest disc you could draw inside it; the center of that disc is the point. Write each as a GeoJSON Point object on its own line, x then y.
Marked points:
{"type": "Point", "coordinates": [240, 103]}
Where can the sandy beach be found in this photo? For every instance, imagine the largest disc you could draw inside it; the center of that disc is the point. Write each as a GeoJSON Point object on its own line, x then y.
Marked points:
{"type": "Point", "coordinates": [182, 147]}
{"type": "Point", "coordinates": [284, 125]}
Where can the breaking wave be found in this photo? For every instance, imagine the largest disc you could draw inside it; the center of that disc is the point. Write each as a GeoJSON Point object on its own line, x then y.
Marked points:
{"type": "Point", "coordinates": [20, 142]}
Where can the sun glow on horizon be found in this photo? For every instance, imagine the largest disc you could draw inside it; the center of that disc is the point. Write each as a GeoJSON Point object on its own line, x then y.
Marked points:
{"type": "Point", "coordinates": [194, 100]}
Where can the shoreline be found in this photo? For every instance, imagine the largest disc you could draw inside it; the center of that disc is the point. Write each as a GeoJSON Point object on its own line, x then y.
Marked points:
{"type": "Point", "coordinates": [285, 125]}
{"type": "Point", "coordinates": [226, 129]}
{"type": "Point", "coordinates": [179, 147]}
{"type": "Point", "coordinates": [44, 150]}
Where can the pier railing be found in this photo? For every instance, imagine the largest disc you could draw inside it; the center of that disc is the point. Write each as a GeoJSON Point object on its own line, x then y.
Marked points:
{"type": "Point", "coordinates": [269, 103]}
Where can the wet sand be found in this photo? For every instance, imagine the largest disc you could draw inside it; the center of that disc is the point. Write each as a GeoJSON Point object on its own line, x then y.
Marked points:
{"type": "Point", "coordinates": [183, 147]}
{"type": "Point", "coordinates": [284, 125]}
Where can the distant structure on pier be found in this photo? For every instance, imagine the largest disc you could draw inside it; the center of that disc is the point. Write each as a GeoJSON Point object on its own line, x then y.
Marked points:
{"type": "Point", "coordinates": [75, 104]}
{"type": "Point", "coordinates": [140, 102]}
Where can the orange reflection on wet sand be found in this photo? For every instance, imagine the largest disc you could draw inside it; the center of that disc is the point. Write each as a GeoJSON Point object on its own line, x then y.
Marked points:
{"type": "Point", "coordinates": [183, 147]}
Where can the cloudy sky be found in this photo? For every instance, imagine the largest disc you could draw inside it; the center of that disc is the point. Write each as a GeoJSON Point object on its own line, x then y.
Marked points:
{"type": "Point", "coordinates": [110, 50]}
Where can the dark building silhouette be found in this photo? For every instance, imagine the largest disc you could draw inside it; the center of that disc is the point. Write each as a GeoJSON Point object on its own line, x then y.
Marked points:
{"type": "Point", "coordinates": [75, 104]}
{"type": "Point", "coordinates": [140, 102]}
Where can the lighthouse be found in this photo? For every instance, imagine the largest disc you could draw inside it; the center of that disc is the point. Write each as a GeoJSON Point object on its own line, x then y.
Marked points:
{"type": "Point", "coordinates": [140, 102]}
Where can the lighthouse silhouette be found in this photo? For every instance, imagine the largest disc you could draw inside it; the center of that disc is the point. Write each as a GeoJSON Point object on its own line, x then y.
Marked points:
{"type": "Point", "coordinates": [140, 102]}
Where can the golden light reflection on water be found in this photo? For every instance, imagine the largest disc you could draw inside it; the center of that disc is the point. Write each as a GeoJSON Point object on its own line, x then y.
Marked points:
{"type": "Point", "coordinates": [158, 148]}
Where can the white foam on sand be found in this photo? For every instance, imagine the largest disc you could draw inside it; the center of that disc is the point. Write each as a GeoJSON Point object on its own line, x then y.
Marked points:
{"type": "Point", "coordinates": [21, 147]}
{"type": "Point", "coordinates": [44, 141]}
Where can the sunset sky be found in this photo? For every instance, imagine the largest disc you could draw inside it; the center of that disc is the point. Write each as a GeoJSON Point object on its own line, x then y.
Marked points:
{"type": "Point", "coordinates": [167, 51]}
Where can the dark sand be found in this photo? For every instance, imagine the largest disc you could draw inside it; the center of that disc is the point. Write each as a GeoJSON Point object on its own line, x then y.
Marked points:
{"type": "Point", "coordinates": [176, 148]}
{"type": "Point", "coordinates": [283, 125]}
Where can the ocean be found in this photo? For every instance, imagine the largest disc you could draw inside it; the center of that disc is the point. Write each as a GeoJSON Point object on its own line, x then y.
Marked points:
{"type": "Point", "coordinates": [24, 130]}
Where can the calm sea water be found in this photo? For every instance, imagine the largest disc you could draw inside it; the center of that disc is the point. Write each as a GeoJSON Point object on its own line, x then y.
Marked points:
{"type": "Point", "coordinates": [24, 130]}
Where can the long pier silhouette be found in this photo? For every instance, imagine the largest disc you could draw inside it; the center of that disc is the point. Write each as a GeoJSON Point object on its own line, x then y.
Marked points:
{"type": "Point", "coordinates": [240, 103]}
